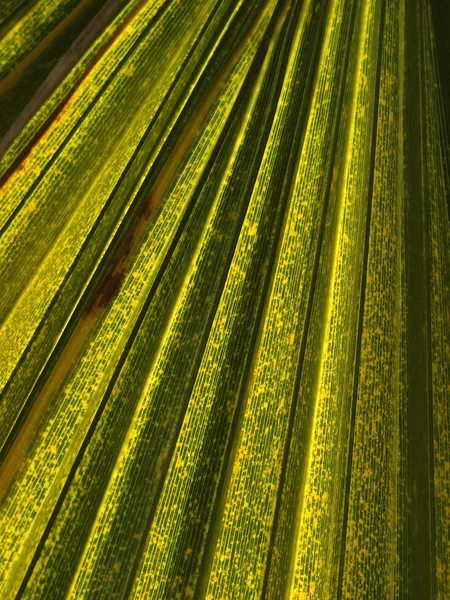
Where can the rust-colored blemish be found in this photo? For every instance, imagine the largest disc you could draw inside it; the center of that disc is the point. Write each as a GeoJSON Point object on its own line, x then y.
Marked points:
{"type": "Point", "coordinates": [150, 205]}
{"type": "Point", "coordinates": [112, 281]}
{"type": "Point", "coordinates": [162, 463]}
{"type": "Point", "coordinates": [109, 288]}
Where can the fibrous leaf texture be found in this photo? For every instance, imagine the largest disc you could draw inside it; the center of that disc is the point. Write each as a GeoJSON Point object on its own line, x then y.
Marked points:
{"type": "Point", "coordinates": [225, 301]}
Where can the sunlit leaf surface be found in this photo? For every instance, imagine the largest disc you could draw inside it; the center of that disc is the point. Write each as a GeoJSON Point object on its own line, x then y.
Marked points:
{"type": "Point", "coordinates": [225, 300]}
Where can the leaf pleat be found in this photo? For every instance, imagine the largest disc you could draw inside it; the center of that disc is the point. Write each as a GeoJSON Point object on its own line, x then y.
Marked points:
{"type": "Point", "coordinates": [225, 301]}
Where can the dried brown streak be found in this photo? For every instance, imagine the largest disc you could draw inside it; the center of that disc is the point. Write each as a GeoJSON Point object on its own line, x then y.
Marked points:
{"type": "Point", "coordinates": [162, 462]}
{"type": "Point", "coordinates": [108, 289]}
{"type": "Point", "coordinates": [112, 281]}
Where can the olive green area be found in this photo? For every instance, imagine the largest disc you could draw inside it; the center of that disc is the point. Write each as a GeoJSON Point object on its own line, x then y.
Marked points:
{"type": "Point", "coordinates": [441, 24]}
{"type": "Point", "coordinates": [225, 300]}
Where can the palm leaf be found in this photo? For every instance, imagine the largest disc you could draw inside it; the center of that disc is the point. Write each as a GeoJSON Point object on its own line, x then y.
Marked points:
{"type": "Point", "coordinates": [225, 309]}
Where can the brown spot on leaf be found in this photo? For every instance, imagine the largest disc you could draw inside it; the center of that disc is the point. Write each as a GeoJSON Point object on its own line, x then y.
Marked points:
{"type": "Point", "coordinates": [161, 462]}
{"type": "Point", "coordinates": [149, 206]}
{"type": "Point", "coordinates": [108, 289]}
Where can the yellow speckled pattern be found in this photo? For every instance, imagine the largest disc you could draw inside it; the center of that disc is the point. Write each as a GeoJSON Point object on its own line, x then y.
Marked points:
{"type": "Point", "coordinates": [225, 306]}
